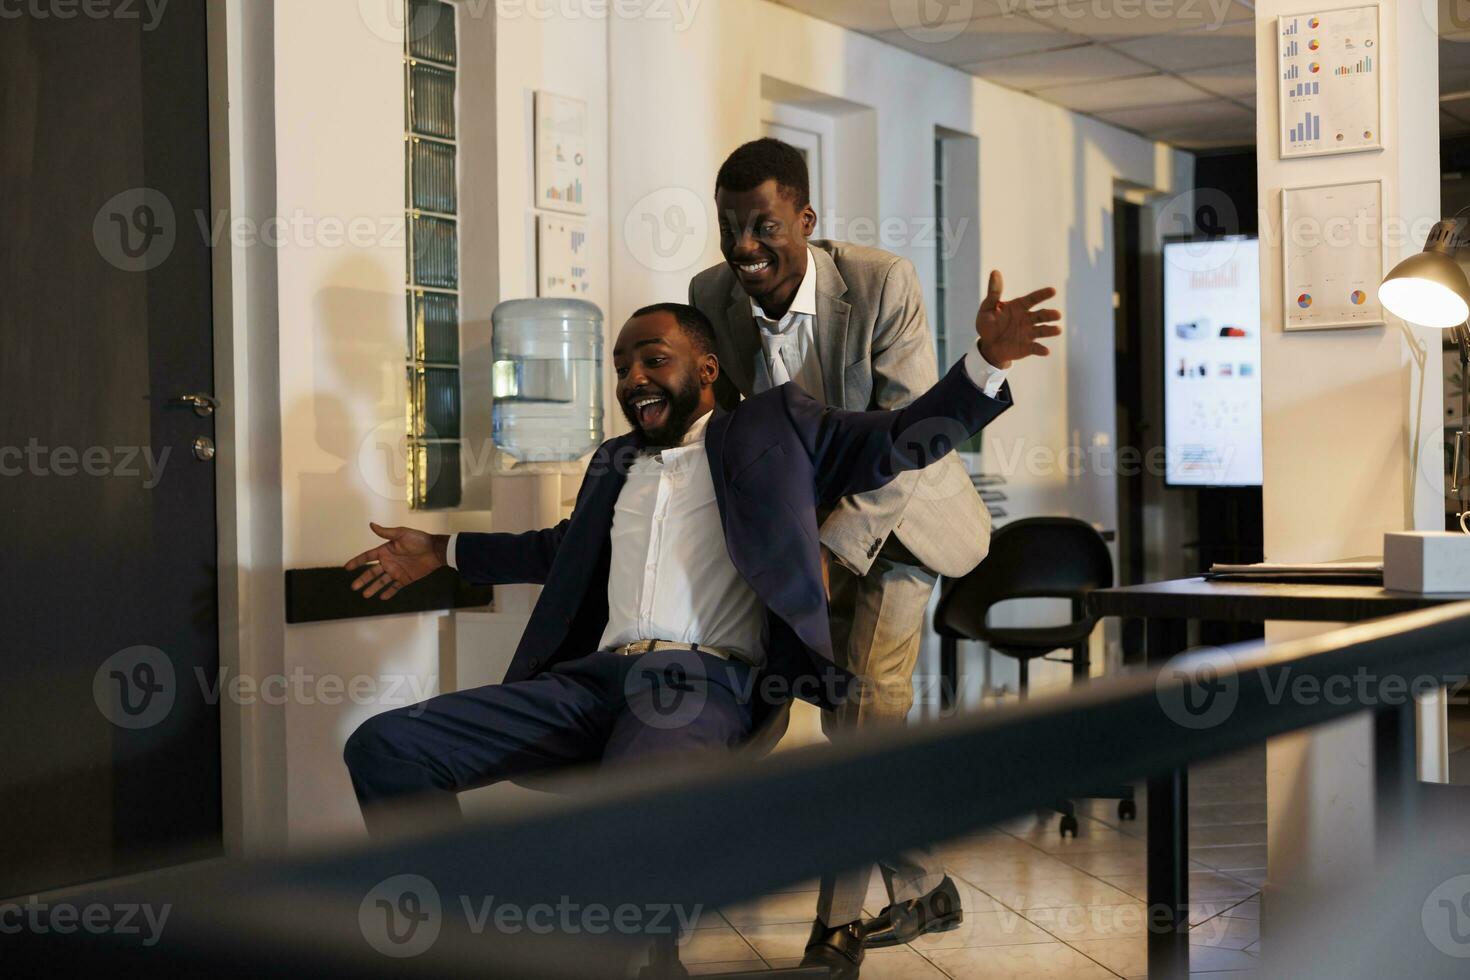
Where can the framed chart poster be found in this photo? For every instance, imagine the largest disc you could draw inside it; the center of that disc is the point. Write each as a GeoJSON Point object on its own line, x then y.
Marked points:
{"type": "Point", "coordinates": [562, 265]}
{"type": "Point", "coordinates": [1332, 255]}
{"type": "Point", "coordinates": [561, 153]}
{"type": "Point", "coordinates": [1329, 79]}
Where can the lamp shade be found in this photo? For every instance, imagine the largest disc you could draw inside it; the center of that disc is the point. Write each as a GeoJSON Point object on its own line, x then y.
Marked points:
{"type": "Point", "coordinates": [1429, 288]}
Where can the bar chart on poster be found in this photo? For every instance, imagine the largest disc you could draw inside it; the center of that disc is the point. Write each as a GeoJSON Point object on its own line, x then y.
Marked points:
{"type": "Point", "coordinates": [1329, 82]}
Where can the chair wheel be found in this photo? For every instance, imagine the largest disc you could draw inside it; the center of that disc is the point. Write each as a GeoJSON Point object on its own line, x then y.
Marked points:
{"type": "Point", "coordinates": [1127, 810]}
{"type": "Point", "coordinates": [1068, 825]}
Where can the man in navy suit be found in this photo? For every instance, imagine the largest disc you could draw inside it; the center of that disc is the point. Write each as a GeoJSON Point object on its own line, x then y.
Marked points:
{"type": "Point", "coordinates": [685, 593]}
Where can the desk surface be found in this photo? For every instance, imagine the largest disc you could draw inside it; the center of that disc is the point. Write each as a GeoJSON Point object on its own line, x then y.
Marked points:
{"type": "Point", "coordinates": [1257, 602]}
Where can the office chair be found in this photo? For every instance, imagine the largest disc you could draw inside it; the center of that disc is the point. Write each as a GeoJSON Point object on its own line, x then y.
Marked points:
{"type": "Point", "coordinates": [1034, 558]}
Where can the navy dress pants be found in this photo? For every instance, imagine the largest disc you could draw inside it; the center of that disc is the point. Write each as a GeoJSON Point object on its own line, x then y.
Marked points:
{"type": "Point", "coordinates": [603, 707]}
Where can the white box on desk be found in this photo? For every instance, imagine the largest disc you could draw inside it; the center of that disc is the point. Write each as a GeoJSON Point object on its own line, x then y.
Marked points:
{"type": "Point", "coordinates": [1426, 561]}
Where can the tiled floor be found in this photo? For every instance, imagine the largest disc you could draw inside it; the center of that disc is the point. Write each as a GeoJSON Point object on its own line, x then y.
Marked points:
{"type": "Point", "coordinates": [1038, 906]}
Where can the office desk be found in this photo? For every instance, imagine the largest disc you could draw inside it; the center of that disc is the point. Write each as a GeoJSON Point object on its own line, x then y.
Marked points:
{"type": "Point", "coordinates": [1167, 609]}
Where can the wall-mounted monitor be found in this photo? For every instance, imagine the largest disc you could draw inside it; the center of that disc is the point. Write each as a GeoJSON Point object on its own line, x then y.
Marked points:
{"type": "Point", "coordinates": [1212, 363]}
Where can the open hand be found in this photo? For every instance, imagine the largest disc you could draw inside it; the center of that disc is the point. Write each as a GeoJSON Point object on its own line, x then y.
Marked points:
{"type": "Point", "coordinates": [408, 556]}
{"type": "Point", "coordinates": [1010, 329]}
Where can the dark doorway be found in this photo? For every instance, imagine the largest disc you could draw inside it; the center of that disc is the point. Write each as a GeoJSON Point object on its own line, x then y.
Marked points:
{"type": "Point", "coordinates": [108, 711]}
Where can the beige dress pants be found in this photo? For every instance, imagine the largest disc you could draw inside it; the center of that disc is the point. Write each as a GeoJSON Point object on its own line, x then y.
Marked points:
{"type": "Point", "coordinates": [877, 625]}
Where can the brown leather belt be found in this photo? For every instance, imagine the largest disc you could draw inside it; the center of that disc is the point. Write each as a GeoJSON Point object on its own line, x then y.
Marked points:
{"type": "Point", "coordinates": [651, 646]}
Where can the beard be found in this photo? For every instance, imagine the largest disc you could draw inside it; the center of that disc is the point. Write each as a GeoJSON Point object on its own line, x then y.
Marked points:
{"type": "Point", "coordinates": [683, 402]}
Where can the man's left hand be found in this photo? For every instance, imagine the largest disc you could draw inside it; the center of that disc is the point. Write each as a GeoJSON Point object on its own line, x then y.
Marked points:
{"type": "Point", "coordinates": [1011, 329]}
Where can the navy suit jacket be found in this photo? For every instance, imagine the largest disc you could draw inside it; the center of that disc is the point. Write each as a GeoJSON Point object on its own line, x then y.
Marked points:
{"type": "Point", "coordinates": [774, 458]}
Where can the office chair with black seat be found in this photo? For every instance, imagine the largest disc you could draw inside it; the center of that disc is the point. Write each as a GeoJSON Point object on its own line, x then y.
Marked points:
{"type": "Point", "coordinates": [1034, 558]}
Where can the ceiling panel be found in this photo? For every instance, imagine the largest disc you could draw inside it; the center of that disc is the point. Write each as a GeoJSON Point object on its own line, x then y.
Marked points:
{"type": "Point", "coordinates": [922, 17]}
{"type": "Point", "coordinates": [1088, 62]}
{"type": "Point", "coordinates": [1215, 122]}
{"type": "Point", "coordinates": [1081, 54]}
{"type": "Point", "coordinates": [992, 37]}
{"type": "Point", "coordinates": [1231, 43]}
{"type": "Point", "coordinates": [1123, 93]}
{"type": "Point", "coordinates": [1238, 81]}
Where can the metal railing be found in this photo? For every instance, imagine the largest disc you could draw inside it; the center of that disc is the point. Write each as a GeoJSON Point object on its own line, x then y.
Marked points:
{"type": "Point", "coordinates": [710, 833]}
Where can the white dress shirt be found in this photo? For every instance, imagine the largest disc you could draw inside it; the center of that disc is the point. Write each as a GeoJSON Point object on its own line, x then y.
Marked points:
{"type": "Point", "coordinates": [788, 345]}
{"type": "Point", "coordinates": [789, 349]}
{"type": "Point", "coordinates": [671, 576]}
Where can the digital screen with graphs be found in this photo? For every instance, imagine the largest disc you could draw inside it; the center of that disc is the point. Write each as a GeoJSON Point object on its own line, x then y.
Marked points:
{"type": "Point", "coordinates": [1212, 363]}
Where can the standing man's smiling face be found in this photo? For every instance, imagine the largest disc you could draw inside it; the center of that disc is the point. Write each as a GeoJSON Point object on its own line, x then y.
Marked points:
{"type": "Point", "coordinates": [763, 236]}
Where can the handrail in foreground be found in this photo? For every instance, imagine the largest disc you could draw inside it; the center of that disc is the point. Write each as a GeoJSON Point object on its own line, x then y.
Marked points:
{"type": "Point", "coordinates": [709, 834]}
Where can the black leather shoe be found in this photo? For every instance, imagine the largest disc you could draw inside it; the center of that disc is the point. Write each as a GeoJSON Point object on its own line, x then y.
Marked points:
{"type": "Point", "coordinates": [903, 922]}
{"type": "Point", "coordinates": [840, 950]}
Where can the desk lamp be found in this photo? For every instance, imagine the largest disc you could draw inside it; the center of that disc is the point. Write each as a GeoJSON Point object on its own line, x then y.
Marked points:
{"type": "Point", "coordinates": [1431, 289]}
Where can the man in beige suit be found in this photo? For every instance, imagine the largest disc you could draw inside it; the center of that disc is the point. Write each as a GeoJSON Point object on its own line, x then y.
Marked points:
{"type": "Point", "coordinates": [846, 323]}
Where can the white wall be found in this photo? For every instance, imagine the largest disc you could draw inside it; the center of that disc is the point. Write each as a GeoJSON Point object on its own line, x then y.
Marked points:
{"type": "Point", "coordinates": [669, 99]}
{"type": "Point", "coordinates": [1342, 420]}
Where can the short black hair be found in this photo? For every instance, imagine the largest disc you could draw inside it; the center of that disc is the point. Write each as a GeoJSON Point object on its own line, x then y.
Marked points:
{"type": "Point", "coordinates": [765, 159]}
{"type": "Point", "coordinates": [695, 324]}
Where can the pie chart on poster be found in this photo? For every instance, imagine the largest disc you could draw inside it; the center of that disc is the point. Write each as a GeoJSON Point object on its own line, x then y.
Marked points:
{"type": "Point", "coordinates": [1304, 300]}
{"type": "Point", "coordinates": [1358, 297]}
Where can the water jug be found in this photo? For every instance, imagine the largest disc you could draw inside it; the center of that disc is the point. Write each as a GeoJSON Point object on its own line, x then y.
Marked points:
{"type": "Point", "coordinates": [547, 378]}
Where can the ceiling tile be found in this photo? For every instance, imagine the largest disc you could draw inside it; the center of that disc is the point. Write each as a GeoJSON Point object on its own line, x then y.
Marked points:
{"type": "Point", "coordinates": [1089, 62]}
{"type": "Point", "coordinates": [1124, 93]}
{"type": "Point", "coordinates": [919, 16]}
{"type": "Point", "coordinates": [992, 37]}
{"type": "Point", "coordinates": [1107, 20]}
{"type": "Point", "coordinates": [1230, 43]}
{"type": "Point", "coordinates": [1232, 80]}
{"type": "Point", "coordinates": [1216, 122]}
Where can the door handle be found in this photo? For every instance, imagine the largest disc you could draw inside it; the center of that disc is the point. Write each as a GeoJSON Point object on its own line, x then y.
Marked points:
{"type": "Point", "coordinates": [203, 405]}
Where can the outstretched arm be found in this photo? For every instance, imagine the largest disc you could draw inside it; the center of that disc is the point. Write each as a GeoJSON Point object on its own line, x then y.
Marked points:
{"type": "Point", "coordinates": [860, 451]}
{"type": "Point", "coordinates": [485, 559]}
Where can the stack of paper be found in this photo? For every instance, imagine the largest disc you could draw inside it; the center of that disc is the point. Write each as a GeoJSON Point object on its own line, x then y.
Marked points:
{"type": "Point", "coordinates": [1355, 570]}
